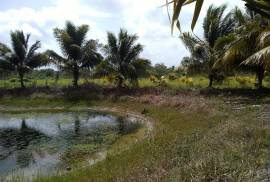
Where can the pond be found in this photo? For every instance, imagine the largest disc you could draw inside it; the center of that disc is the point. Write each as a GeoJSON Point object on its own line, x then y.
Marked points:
{"type": "Point", "coordinates": [42, 143]}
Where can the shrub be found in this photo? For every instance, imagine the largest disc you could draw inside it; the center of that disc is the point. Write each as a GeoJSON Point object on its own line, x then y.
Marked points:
{"type": "Point", "coordinates": [187, 81]}
{"type": "Point", "coordinates": [153, 79]}
{"type": "Point", "coordinates": [163, 83]}
{"type": "Point", "coordinates": [242, 80]}
{"type": "Point", "coordinates": [172, 76]}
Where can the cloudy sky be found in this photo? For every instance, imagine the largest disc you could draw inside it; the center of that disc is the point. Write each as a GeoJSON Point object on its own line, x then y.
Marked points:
{"type": "Point", "coordinates": [143, 17]}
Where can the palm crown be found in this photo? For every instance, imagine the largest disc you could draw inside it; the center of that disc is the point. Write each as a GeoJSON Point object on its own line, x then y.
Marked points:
{"type": "Point", "coordinates": [121, 60]}
{"type": "Point", "coordinates": [216, 26]}
{"type": "Point", "coordinates": [78, 52]}
{"type": "Point", "coordinates": [21, 57]}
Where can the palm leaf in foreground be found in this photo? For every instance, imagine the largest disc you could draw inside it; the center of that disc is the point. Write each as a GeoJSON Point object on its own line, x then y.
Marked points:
{"type": "Point", "coordinates": [261, 7]}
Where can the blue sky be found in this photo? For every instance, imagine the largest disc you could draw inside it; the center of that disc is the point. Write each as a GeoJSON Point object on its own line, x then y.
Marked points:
{"type": "Point", "coordinates": [143, 17]}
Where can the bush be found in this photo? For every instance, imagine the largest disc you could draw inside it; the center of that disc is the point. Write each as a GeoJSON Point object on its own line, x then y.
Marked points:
{"type": "Point", "coordinates": [242, 80]}
{"type": "Point", "coordinates": [187, 81]}
{"type": "Point", "coordinates": [163, 83]}
{"type": "Point", "coordinates": [153, 79]}
{"type": "Point", "coordinates": [172, 76]}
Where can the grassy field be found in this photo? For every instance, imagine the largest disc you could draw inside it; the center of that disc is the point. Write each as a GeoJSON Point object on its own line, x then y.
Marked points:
{"type": "Point", "coordinates": [181, 82]}
{"type": "Point", "coordinates": [194, 139]}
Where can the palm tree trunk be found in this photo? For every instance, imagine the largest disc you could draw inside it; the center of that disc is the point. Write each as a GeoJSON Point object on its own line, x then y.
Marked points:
{"type": "Point", "coordinates": [76, 76]}
{"type": "Point", "coordinates": [21, 75]}
{"type": "Point", "coordinates": [260, 76]}
{"type": "Point", "coordinates": [120, 83]}
{"type": "Point", "coordinates": [211, 79]}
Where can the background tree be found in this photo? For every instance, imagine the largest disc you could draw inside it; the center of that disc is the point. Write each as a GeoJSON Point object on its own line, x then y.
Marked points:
{"type": "Point", "coordinates": [204, 52]}
{"type": "Point", "coordinates": [78, 52]}
{"type": "Point", "coordinates": [21, 57]}
{"type": "Point", "coordinates": [122, 61]}
{"type": "Point", "coordinates": [159, 70]}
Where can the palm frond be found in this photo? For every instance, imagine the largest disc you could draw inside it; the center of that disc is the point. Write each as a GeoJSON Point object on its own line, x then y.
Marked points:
{"type": "Point", "coordinates": [239, 16]}
{"type": "Point", "coordinates": [38, 60]}
{"type": "Point", "coordinates": [64, 41]}
{"type": "Point", "coordinates": [233, 55]}
{"type": "Point", "coordinates": [260, 58]}
{"type": "Point", "coordinates": [263, 40]}
{"type": "Point", "coordinates": [18, 42]}
{"type": "Point", "coordinates": [261, 7]}
{"type": "Point", "coordinates": [56, 59]}
{"type": "Point", "coordinates": [216, 24]}
{"type": "Point", "coordinates": [32, 50]}
{"type": "Point", "coordinates": [81, 33]}
{"type": "Point", "coordinates": [133, 53]}
{"type": "Point", "coordinates": [222, 42]}
{"type": "Point", "coordinates": [112, 45]}
{"type": "Point", "coordinates": [90, 56]}
{"type": "Point", "coordinates": [189, 41]}
{"type": "Point", "coordinates": [198, 7]}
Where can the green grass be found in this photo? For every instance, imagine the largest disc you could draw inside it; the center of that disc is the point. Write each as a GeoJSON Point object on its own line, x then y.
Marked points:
{"type": "Point", "coordinates": [186, 145]}
{"type": "Point", "coordinates": [195, 82]}
{"type": "Point", "coordinates": [202, 82]}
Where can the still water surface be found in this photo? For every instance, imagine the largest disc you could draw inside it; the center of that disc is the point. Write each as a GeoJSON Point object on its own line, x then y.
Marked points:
{"type": "Point", "coordinates": [35, 142]}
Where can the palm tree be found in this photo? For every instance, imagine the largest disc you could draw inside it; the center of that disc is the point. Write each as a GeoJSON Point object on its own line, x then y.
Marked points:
{"type": "Point", "coordinates": [216, 26]}
{"type": "Point", "coordinates": [250, 45]}
{"type": "Point", "coordinates": [121, 62]}
{"type": "Point", "coordinates": [78, 52]}
{"type": "Point", "coordinates": [262, 7]}
{"type": "Point", "coordinates": [21, 57]}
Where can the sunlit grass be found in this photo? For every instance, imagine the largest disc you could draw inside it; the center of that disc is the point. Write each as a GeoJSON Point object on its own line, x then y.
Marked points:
{"type": "Point", "coordinates": [183, 82]}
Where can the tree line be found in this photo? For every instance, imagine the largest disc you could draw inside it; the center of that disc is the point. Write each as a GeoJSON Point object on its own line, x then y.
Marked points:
{"type": "Point", "coordinates": [120, 59]}
{"type": "Point", "coordinates": [232, 41]}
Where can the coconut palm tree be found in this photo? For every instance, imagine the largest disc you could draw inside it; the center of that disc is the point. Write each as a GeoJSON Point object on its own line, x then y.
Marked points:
{"type": "Point", "coordinates": [259, 6]}
{"type": "Point", "coordinates": [216, 25]}
{"type": "Point", "coordinates": [78, 52]}
{"type": "Point", "coordinates": [21, 57]}
{"type": "Point", "coordinates": [249, 46]}
{"type": "Point", "coordinates": [121, 62]}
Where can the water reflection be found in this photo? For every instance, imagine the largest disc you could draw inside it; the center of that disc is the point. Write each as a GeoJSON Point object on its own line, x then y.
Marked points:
{"type": "Point", "coordinates": [37, 141]}
{"type": "Point", "coordinates": [77, 125]}
{"type": "Point", "coordinates": [14, 143]}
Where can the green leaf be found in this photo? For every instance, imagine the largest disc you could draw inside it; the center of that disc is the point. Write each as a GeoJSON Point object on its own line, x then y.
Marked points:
{"type": "Point", "coordinates": [198, 7]}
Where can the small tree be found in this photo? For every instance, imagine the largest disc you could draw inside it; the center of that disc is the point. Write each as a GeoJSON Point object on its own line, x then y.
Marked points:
{"type": "Point", "coordinates": [160, 70]}
{"type": "Point", "coordinates": [122, 61]}
{"type": "Point", "coordinates": [216, 26]}
{"type": "Point", "coordinates": [77, 50]}
{"type": "Point", "coordinates": [21, 57]}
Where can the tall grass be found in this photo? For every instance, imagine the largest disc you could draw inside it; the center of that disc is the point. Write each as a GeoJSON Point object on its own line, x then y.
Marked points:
{"type": "Point", "coordinates": [177, 83]}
